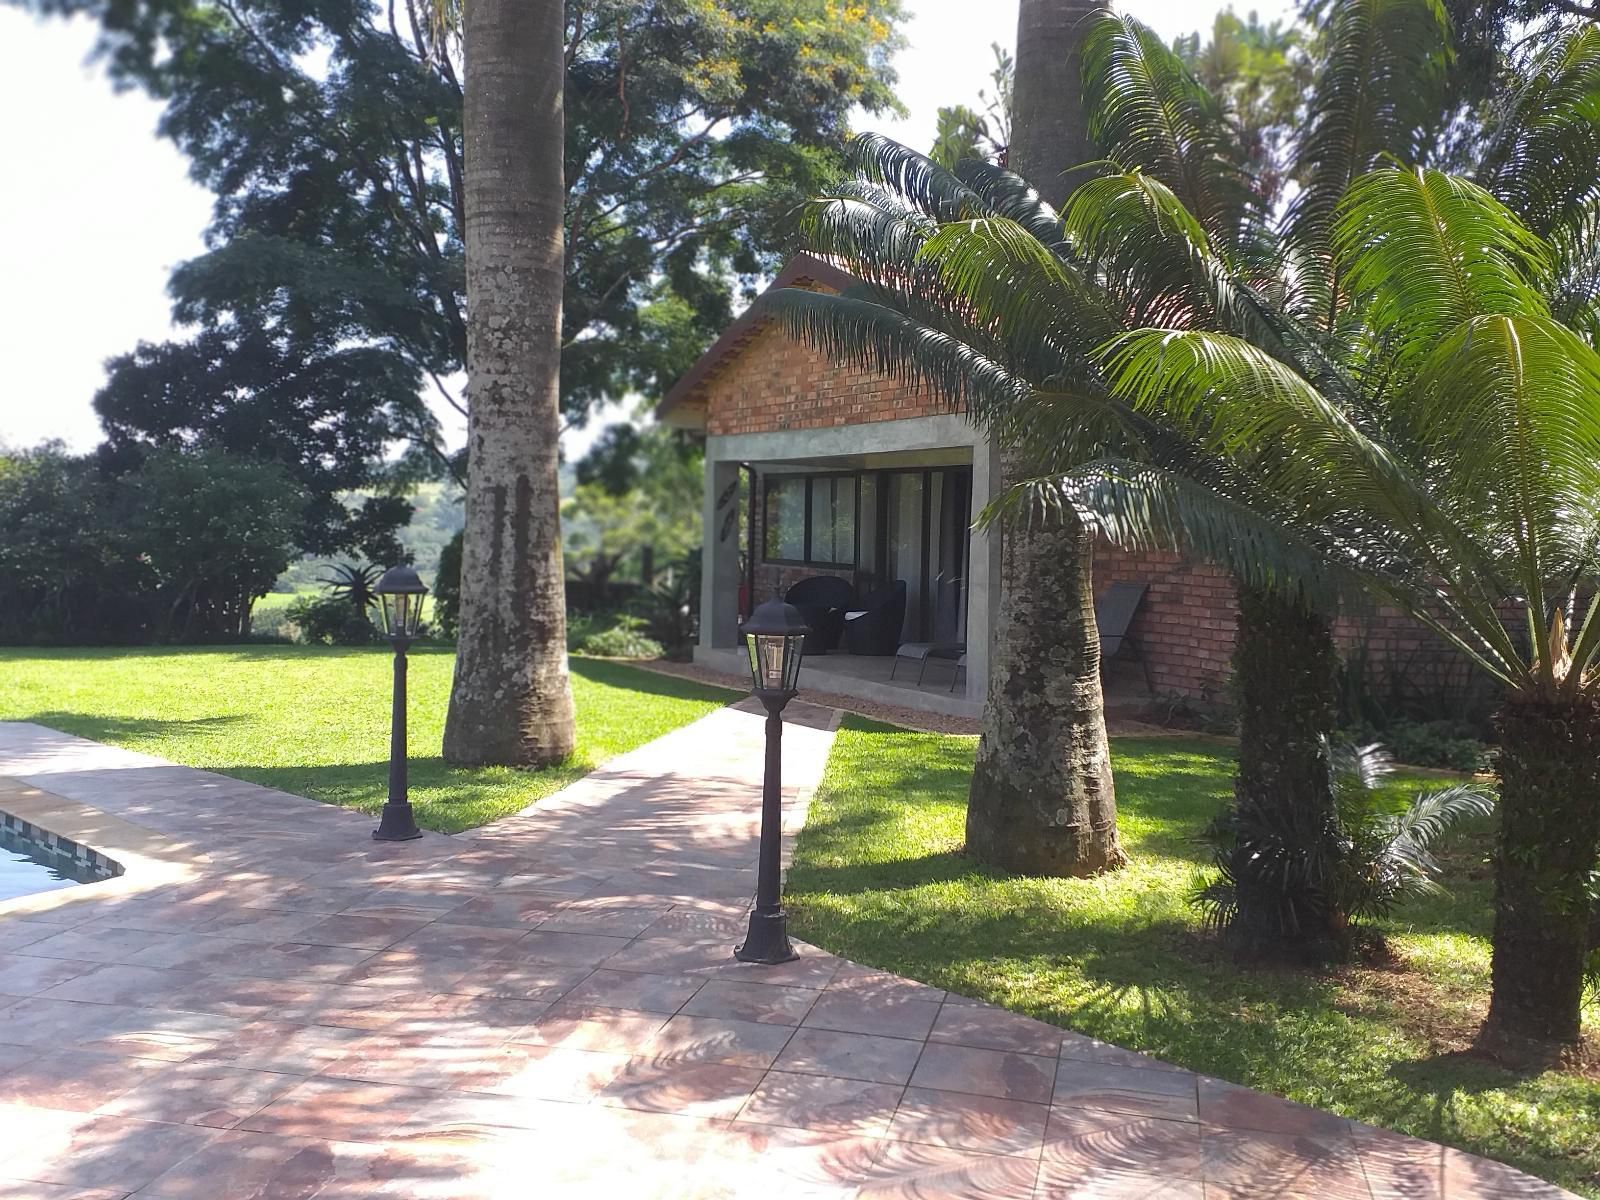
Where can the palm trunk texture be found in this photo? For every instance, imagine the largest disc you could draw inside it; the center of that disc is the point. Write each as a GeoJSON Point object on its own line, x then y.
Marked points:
{"type": "Point", "coordinates": [511, 701]}
{"type": "Point", "coordinates": [1042, 799]}
{"type": "Point", "coordinates": [1549, 837]}
{"type": "Point", "coordinates": [1285, 666]}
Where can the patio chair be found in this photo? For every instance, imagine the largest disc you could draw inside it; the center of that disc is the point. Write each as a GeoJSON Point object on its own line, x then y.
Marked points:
{"type": "Point", "coordinates": [822, 601]}
{"type": "Point", "coordinates": [921, 652]}
{"type": "Point", "coordinates": [1113, 613]}
{"type": "Point", "coordinates": [873, 626]}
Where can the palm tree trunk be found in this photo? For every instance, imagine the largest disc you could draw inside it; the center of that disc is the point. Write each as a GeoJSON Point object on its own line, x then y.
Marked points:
{"type": "Point", "coordinates": [1042, 800]}
{"type": "Point", "coordinates": [1284, 667]}
{"type": "Point", "coordinates": [1050, 131]}
{"type": "Point", "coordinates": [1548, 842]}
{"type": "Point", "coordinates": [511, 701]}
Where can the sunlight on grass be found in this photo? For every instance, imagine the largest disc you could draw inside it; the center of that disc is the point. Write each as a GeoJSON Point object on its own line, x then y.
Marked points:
{"type": "Point", "coordinates": [879, 877]}
{"type": "Point", "coordinates": [315, 720]}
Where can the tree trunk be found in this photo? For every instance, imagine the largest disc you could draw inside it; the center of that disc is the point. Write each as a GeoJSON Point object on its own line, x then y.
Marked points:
{"type": "Point", "coordinates": [1549, 838]}
{"type": "Point", "coordinates": [1042, 800]}
{"type": "Point", "coordinates": [511, 702]}
{"type": "Point", "coordinates": [1050, 131]}
{"type": "Point", "coordinates": [1284, 666]}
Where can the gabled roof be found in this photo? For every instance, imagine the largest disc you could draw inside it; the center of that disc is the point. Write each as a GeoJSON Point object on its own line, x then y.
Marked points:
{"type": "Point", "coordinates": [803, 270]}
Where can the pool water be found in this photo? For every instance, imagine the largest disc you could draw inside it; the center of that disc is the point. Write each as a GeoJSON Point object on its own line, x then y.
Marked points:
{"type": "Point", "coordinates": [28, 866]}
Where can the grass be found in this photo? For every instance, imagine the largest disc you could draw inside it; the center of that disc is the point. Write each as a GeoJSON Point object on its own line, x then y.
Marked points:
{"type": "Point", "coordinates": [315, 720]}
{"type": "Point", "coordinates": [879, 877]}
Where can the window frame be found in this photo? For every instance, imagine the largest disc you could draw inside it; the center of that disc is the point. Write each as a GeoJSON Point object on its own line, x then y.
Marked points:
{"type": "Point", "coordinates": [769, 479]}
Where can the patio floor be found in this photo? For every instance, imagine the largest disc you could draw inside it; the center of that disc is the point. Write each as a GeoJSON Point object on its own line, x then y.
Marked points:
{"type": "Point", "coordinates": [868, 677]}
{"type": "Point", "coordinates": [268, 1005]}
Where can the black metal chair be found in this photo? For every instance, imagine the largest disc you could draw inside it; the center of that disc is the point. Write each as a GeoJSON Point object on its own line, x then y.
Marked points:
{"type": "Point", "coordinates": [872, 627]}
{"type": "Point", "coordinates": [822, 601]}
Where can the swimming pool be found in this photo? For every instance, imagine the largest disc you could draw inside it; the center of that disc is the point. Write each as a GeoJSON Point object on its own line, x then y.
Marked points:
{"type": "Point", "coordinates": [36, 860]}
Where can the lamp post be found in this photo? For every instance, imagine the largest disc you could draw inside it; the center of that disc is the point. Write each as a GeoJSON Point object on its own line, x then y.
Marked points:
{"type": "Point", "coordinates": [774, 635]}
{"type": "Point", "coordinates": [400, 594]}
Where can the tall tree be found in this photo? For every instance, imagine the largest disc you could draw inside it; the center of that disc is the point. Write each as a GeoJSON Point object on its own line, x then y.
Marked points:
{"type": "Point", "coordinates": [511, 700]}
{"type": "Point", "coordinates": [1042, 799]}
{"type": "Point", "coordinates": [330, 132]}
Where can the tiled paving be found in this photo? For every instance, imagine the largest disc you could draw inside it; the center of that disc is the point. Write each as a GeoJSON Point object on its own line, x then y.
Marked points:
{"type": "Point", "coordinates": [268, 1006]}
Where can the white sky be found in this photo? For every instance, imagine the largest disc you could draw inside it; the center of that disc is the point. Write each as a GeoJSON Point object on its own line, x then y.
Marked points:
{"type": "Point", "coordinates": [98, 210]}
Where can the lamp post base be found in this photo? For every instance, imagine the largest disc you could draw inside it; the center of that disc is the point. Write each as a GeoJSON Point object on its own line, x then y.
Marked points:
{"type": "Point", "coordinates": [767, 941]}
{"type": "Point", "coordinates": [398, 824]}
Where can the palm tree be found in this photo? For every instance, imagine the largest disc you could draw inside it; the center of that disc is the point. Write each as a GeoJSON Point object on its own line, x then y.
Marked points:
{"type": "Point", "coordinates": [1477, 494]}
{"type": "Point", "coordinates": [511, 701]}
{"type": "Point", "coordinates": [1042, 799]}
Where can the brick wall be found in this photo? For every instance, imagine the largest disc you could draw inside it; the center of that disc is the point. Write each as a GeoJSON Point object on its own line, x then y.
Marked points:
{"type": "Point", "coordinates": [778, 383]}
{"type": "Point", "coordinates": [1186, 628]}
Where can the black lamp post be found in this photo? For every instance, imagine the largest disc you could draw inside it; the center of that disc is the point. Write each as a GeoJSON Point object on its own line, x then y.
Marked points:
{"type": "Point", "coordinates": [774, 635]}
{"type": "Point", "coordinates": [400, 593]}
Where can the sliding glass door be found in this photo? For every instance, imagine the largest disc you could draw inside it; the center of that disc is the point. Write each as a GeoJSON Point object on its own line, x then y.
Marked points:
{"type": "Point", "coordinates": [922, 535]}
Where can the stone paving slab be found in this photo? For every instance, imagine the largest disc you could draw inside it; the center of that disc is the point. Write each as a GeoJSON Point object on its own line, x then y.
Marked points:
{"type": "Point", "coordinates": [269, 1006]}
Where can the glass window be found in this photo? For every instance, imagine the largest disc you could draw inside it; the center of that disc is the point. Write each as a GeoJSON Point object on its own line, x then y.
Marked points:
{"type": "Point", "coordinates": [833, 520]}
{"type": "Point", "coordinates": [786, 517]}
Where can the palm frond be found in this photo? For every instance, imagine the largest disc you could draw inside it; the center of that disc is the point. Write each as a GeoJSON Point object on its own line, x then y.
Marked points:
{"type": "Point", "coordinates": [1007, 280]}
{"type": "Point", "coordinates": [1148, 112]}
{"type": "Point", "coordinates": [1380, 66]}
{"type": "Point", "coordinates": [932, 188]}
{"type": "Point", "coordinates": [1009, 195]}
{"type": "Point", "coordinates": [879, 338]}
{"type": "Point", "coordinates": [1545, 161]}
{"type": "Point", "coordinates": [1138, 506]}
{"type": "Point", "coordinates": [1430, 251]}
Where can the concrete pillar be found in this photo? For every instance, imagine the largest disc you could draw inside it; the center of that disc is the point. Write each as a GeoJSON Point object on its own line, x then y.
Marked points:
{"type": "Point", "coordinates": [719, 560]}
{"type": "Point", "coordinates": [983, 573]}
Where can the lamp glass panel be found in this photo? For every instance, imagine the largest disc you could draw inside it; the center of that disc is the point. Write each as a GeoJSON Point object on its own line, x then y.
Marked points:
{"type": "Point", "coordinates": [386, 611]}
{"type": "Point", "coordinates": [792, 653]}
{"type": "Point", "coordinates": [770, 651]}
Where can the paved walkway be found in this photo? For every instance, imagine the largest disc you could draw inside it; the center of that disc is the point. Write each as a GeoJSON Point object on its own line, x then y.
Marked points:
{"type": "Point", "coordinates": [267, 1005]}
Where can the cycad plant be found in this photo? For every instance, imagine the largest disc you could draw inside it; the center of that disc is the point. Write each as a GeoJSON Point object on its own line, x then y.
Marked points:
{"type": "Point", "coordinates": [1378, 398]}
{"type": "Point", "coordinates": [1275, 877]}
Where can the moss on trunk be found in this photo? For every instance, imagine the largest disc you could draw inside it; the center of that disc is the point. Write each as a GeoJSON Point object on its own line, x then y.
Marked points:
{"type": "Point", "coordinates": [1549, 833]}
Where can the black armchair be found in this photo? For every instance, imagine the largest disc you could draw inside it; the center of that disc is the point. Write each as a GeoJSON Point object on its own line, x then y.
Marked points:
{"type": "Point", "coordinates": [822, 601]}
{"type": "Point", "coordinates": [873, 626]}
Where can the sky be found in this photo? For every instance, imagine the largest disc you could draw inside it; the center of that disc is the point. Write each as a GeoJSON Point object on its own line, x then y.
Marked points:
{"type": "Point", "coordinates": [99, 209]}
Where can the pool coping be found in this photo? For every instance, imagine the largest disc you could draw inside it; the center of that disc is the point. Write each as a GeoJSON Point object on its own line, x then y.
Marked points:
{"type": "Point", "coordinates": [148, 859]}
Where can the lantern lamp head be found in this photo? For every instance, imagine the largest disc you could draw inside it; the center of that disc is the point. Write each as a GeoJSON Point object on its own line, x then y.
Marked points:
{"type": "Point", "coordinates": [774, 635]}
{"type": "Point", "coordinates": [400, 595]}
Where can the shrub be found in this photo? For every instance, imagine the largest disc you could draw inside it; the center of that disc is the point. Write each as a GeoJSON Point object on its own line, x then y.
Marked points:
{"type": "Point", "coordinates": [1448, 744]}
{"type": "Point", "coordinates": [324, 620]}
{"type": "Point", "coordinates": [625, 639]}
{"type": "Point", "coordinates": [1356, 864]}
{"type": "Point", "coordinates": [447, 589]}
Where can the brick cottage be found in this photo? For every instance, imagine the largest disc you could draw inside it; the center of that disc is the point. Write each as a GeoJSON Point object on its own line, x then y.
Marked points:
{"type": "Point", "coordinates": [815, 468]}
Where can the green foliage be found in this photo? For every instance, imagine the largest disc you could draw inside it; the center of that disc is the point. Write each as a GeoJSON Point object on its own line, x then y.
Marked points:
{"type": "Point", "coordinates": [962, 132]}
{"type": "Point", "coordinates": [354, 584]}
{"type": "Point", "coordinates": [67, 571]}
{"type": "Point", "coordinates": [624, 638]}
{"type": "Point", "coordinates": [638, 495]}
{"type": "Point", "coordinates": [314, 721]}
{"type": "Point", "coordinates": [879, 878]}
{"type": "Point", "coordinates": [447, 587]}
{"type": "Point", "coordinates": [1452, 745]}
{"type": "Point", "coordinates": [1281, 870]}
{"type": "Point", "coordinates": [331, 620]}
{"type": "Point", "coordinates": [175, 550]}
{"type": "Point", "coordinates": [331, 135]}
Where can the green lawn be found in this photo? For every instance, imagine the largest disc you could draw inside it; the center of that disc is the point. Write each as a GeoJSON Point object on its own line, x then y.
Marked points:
{"type": "Point", "coordinates": [315, 720]}
{"type": "Point", "coordinates": [878, 877]}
